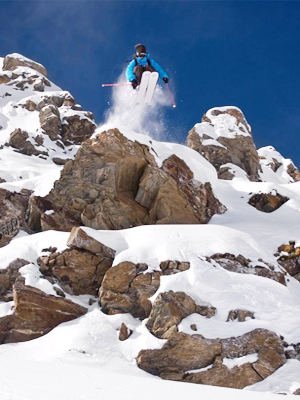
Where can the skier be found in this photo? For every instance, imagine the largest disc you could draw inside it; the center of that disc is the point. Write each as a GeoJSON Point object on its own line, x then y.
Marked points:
{"type": "Point", "coordinates": [140, 63]}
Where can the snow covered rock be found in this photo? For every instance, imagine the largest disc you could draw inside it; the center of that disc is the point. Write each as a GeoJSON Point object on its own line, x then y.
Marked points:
{"type": "Point", "coordinates": [35, 314]}
{"type": "Point", "coordinates": [277, 168]}
{"type": "Point", "coordinates": [224, 137]}
{"type": "Point", "coordinates": [115, 183]}
{"type": "Point", "coordinates": [184, 353]}
{"type": "Point", "coordinates": [169, 309]}
{"type": "Point", "coordinates": [267, 202]}
{"type": "Point", "coordinates": [12, 61]}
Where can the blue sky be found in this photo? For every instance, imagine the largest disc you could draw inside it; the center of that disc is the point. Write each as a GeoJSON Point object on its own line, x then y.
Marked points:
{"type": "Point", "coordinates": [242, 53]}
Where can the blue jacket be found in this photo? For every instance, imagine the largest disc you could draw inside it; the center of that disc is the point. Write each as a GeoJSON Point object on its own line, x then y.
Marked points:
{"type": "Point", "coordinates": [143, 62]}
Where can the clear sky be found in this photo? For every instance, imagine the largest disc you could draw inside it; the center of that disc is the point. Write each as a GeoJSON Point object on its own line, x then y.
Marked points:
{"type": "Point", "coordinates": [242, 53]}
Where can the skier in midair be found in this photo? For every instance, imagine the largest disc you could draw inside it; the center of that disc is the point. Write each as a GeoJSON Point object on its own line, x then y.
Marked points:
{"type": "Point", "coordinates": [140, 63]}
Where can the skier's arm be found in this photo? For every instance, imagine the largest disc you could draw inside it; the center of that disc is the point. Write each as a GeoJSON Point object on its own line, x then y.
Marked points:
{"type": "Point", "coordinates": [130, 75]}
{"type": "Point", "coordinates": [159, 69]}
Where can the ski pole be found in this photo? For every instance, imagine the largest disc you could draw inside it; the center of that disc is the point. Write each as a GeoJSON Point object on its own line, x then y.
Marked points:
{"type": "Point", "coordinates": [170, 94]}
{"type": "Point", "coordinates": [115, 84]}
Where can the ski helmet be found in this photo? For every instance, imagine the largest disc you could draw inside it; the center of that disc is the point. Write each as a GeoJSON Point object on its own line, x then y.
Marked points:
{"type": "Point", "coordinates": [140, 49]}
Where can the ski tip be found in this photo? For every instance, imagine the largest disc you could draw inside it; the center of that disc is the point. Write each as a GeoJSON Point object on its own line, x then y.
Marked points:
{"type": "Point", "coordinates": [174, 105]}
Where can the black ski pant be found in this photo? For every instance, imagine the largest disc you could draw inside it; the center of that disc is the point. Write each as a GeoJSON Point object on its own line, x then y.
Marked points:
{"type": "Point", "coordinates": [139, 69]}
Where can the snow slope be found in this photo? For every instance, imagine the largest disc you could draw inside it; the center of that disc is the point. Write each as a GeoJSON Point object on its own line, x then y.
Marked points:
{"type": "Point", "coordinates": [83, 358]}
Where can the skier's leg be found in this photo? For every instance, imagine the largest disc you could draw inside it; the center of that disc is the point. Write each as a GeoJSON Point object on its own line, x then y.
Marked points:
{"type": "Point", "coordinates": [138, 71]}
{"type": "Point", "coordinates": [149, 68]}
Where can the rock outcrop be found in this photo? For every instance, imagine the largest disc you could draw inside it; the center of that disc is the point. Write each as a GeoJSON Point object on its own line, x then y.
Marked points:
{"type": "Point", "coordinates": [169, 309]}
{"type": "Point", "coordinates": [13, 207]}
{"type": "Point", "coordinates": [183, 353]}
{"type": "Point", "coordinates": [267, 202]}
{"type": "Point", "coordinates": [126, 288]}
{"type": "Point", "coordinates": [114, 183]}
{"type": "Point", "coordinates": [12, 61]}
{"type": "Point", "coordinates": [242, 265]}
{"type": "Point", "coordinates": [35, 314]}
{"type": "Point", "coordinates": [289, 259]}
{"type": "Point", "coordinates": [224, 138]}
{"type": "Point", "coordinates": [80, 269]}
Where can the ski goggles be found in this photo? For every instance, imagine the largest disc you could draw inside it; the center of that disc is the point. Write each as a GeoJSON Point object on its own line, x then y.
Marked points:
{"type": "Point", "coordinates": [141, 54]}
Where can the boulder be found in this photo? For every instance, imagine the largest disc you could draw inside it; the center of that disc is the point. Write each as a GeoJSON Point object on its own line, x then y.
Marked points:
{"type": "Point", "coordinates": [240, 315]}
{"type": "Point", "coordinates": [13, 61]}
{"type": "Point", "coordinates": [35, 314]}
{"type": "Point", "coordinates": [8, 276]}
{"type": "Point", "coordinates": [183, 353]}
{"type": "Point", "coordinates": [13, 207]}
{"type": "Point", "coordinates": [297, 392]}
{"type": "Point", "coordinates": [126, 288]}
{"type": "Point", "coordinates": [169, 309]}
{"type": "Point", "coordinates": [114, 183]}
{"type": "Point", "coordinates": [267, 202]}
{"type": "Point", "coordinates": [124, 332]}
{"type": "Point", "coordinates": [223, 137]}
{"type": "Point", "coordinates": [50, 121]}
{"type": "Point", "coordinates": [80, 269]}
{"type": "Point", "coordinates": [290, 261]}
{"type": "Point", "coordinates": [77, 128]}
{"type": "Point", "coordinates": [242, 265]}
{"type": "Point", "coordinates": [19, 140]}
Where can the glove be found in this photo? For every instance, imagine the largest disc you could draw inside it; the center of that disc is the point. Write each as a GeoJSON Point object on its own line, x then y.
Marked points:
{"type": "Point", "coordinates": [166, 80]}
{"type": "Point", "coordinates": [134, 83]}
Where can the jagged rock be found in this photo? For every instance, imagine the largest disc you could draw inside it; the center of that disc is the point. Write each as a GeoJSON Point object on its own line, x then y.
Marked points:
{"type": "Point", "coordinates": [241, 265]}
{"type": "Point", "coordinates": [19, 140]}
{"type": "Point", "coordinates": [169, 309]}
{"type": "Point", "coordinates": [4, 78]}
{"type": "Point", "coordinates": [35, 314]}
{"type": "Point", "coordinates": [293, 351]}
{"type": "Point", "coordinates": [293, 172]}
{"type": "Point", "coordinates": [108, 186]}
{"type": "Point", "coordinates": [291, 261]}
{"type": "Point", "coordinates": [267, 202]}
{"type": "Point", "coordinates": [13, 208]}
{"type": "Point", "coordinates": [127, 289]}
{"type": "Point", "coordinates": [79, 270]}
{"type": "Point", "coordinates": [222, 143]}
{"type": "Point", "coordinates": [50, 121]}
{"type": "Point", "coordinates": [220, 375]}
{"type": "Point", "coordinates": [13, 61]}
{"type": "Point", "coordinates": [8, 277]}
{"type": "Point", "coordinates": [79, 239]}
{"type": "Point", "coordinates": [240, 315]}
{"type": "Point", "coordinates": [181, 353]}
{"type": "Point", "coordinates": [77, 128]}
{"type": "Point", "coordinates": [180, 266]}
{"type": "Point", "coordinates": [124, 332]}
{"type": "Point", "coordinates": [184, 352]}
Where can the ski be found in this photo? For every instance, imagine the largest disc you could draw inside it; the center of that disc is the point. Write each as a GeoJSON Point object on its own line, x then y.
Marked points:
{"type": "Point", "coordinates": [143, 87]}
{"type": "Point", "coordinates": [151, 87]}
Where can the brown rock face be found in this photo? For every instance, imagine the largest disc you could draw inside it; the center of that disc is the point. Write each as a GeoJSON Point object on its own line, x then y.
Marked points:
{"type": "Point", "coordinates": [35, 314]}
{"type": "Point", "coordinates": [240, 315]}
{"type": "Point", "coordinates": [241, 265]}
{"type": "Point", "coordinates": [126, 289]}
{"type": "Point", "coordinates": [50, 121]}
{"type": "Point", "coordinates": [19, 140]}
{"type": "Point", "coordinates": [291, 261]}
{"type": "Point", "coordinates": [11, 62]}
{"type": "Point", "coordinates": [169, 309]}
{"type": "Point", "coordinates": [183, 353]}
{"type": "Point", "coordinates": [8, 276]}
{"type": "Point", "coordinates": [239, 150]}
{"type": "Point", "coordinates": [76, 128]}
{"type": "Point", "coordinates": [79, 270]}
{"type": "Point", "coordinates": [114, 183]}
{"type": "Point", "coordinates": [13, 208]}
{"type": "Point", "coordinates": [267, 202]}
